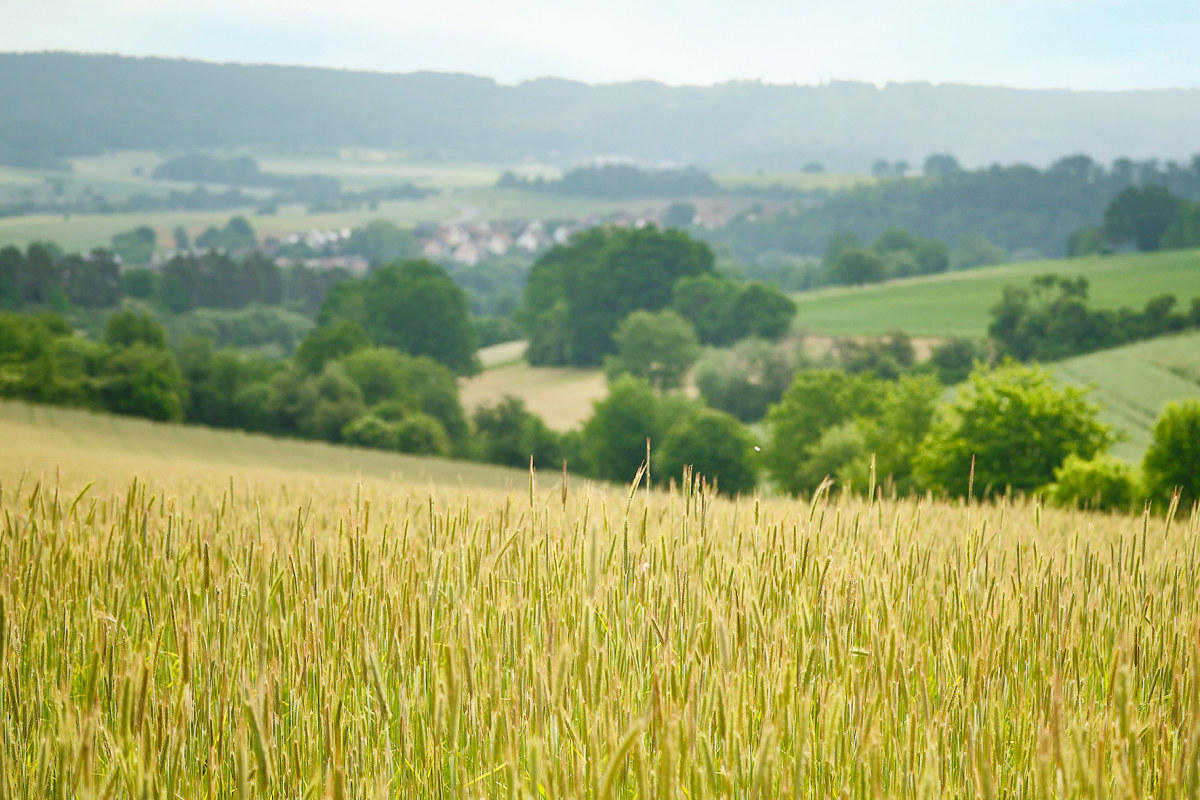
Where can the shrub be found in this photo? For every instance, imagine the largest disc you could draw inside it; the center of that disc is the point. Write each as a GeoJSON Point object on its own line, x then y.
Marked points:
{"type": "Point", "coordinates": [127, 328]}
{"type": "Point", "coordinates": [614, 438]}
{"type": "Point", "coordinates": [659, 347]}
{"type": "Point", "coordinates": [1102, 483]}
{"type": "Point", "coordinates": [371, 431]}
{"type": "Point", "coordinates": [715, 445]}
{"type": "Point", "coordinates": [143, 381]}
{"type": "Point", "coordinates": [1173, 460]}
{"type": "Point", "coordinates": [836, 454]}
{"type": "Point", "coordinates": [1016, 424]}
{"type": "Point", "coordinates": [328, 343]}
{"type": "Point", "coordinates": [421, 434]}
{"type": "Point", "coordinates": [745, 380]}
{"type": "Point", "coordinates": [953, 359]}
{"type": "Point", "coordinates": [856, 266]}
{"type": "Point", "coordinates": [816, 401]}
{"type": "Point", "coordinates": [508, 434]}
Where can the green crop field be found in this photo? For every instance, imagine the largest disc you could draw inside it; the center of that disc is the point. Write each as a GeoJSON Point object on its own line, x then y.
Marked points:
{"type": "Point", "coordinates": [186, 614]}
{"type": "Point", "coordinates": [1133, 382]}
{"type": "Point", "coordinates": [959, 303]}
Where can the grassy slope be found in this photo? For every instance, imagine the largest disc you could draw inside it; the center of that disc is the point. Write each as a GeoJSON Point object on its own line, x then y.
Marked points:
{"type": "Point", "coordinates": [958, 303]}
{"type": "Point", "coordinates": [1133, 382]}
{"type": "Point", "coordinates": [80, 444]}
{"type": "Point", "coordinates": [561, 396]}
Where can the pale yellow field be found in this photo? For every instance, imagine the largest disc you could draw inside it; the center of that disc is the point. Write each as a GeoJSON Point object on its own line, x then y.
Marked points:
{"type": "Point", "coordinates": [561, 396]}
{"type": "Point", "coordinates": [82, 446]}
{"type": "Point", "coordinates": [216, 631]}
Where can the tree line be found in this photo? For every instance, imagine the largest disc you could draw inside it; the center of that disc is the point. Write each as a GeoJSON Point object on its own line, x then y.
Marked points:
{"type": "Point", "coordinates": [379, 370]}
{"type": "Point", "coordinates": [1150, 217]}
{"type": "Point", "coordinates": [42, 277]}
{"type": "Point", "coordinates": [618, 182]}
{"type": "Point", "coordinates": [1050, 320]}
{"type": "Point", "coordinates": [1020, 208]}
{"type": "Point", "coordinates": [578, 294]}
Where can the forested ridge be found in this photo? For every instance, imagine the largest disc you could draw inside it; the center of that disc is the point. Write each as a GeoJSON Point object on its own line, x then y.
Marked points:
{"type": "Point", "coordinates": [103, 102]}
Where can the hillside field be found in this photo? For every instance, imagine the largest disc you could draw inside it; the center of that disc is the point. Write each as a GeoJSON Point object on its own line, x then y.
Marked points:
{"type": "Point", "coordinates": [250, 619]}
{"type": "Point", "coordinates": [1133, 382]}
{"type": "Point", "coordinates": [80, 445]}
{"type": "Point", "coordinates": [561, 396]}
{"type": "Point", "coordinates": [959, 303]}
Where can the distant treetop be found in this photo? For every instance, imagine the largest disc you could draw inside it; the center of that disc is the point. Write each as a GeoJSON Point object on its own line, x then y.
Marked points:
{"type": "Point", "coordinates": [619, 181]}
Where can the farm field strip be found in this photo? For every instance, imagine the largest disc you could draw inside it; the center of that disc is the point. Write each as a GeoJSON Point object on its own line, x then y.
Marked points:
{"type": "Point", "coordinates": [187, 637]}
{"type": "Point", "coordinates": [1133, 382]}
{"type": "Point", "coordinates": [75, 443]}
{"type": "Point", "coordinates": [959, 303]}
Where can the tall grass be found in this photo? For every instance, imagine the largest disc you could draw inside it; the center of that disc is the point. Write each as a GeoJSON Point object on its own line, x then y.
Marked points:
{"type": "Point", "coordinates": [180, 639]}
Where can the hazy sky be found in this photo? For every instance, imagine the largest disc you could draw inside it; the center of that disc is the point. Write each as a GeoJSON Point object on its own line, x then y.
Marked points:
{"type": "Point", "coordinates": [1105, 44]}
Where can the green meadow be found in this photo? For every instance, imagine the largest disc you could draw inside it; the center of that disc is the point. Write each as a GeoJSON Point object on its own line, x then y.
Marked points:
{"type": "Point", "coordinates": [959, 303]}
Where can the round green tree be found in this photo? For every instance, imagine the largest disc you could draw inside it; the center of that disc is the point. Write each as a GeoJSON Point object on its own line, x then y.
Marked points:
{"type": "Point", "coordinates": [1173, 460]}
{"type": "Point", "coordinates": [713, 444]}
{"type": "Point", "coordinates": [1017, 425]}
{"type": "Point", "coordinates": [659, 347]}
{"type": "Point", "coordinates": [614, 438]}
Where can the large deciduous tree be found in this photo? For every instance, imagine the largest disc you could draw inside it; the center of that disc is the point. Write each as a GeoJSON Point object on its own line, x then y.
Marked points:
{"type": "Point", "coordinates": [578, 293]}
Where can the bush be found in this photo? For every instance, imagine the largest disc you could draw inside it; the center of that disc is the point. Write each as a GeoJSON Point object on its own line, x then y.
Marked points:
{"type": "Point", "coordinates": [953, 359]}
{"type": "Point", "coordinates": [126, 328]}
{"type": "Point", "coordinates": [614, 438]}
{"type": "Point", "coordinates": [1088, 241]}
{"type": "Point", "coordinates": [707, 301]}
{"type": "Point", "coordinates": [976, 250]}
{"type": "Point", "coordinates": [762, 310]}
{"type": "Point", "coordinates": [894, 433]}
{"type": "Point", "coordinates": [1102, 483]}
{"type": "Point", "coordinates": [602, 276]}
{"type": "Point", "coordinates": [497, 330]}
{"type": "Point", "coordinates": [659, 347]}
{"type": "Point", "coordinates": [143, 381]}
{"type": "Point", "coordinates": [747, 379]}
{"type": "Point", "coordinates": [413, 306]}
{"type": "Point", "coordinates": [715, 445]}
{"type": "Point", "coordinates": [856, 266]}
{"type": "Point", "coordinates": [1016, 424]}
{"type": "Point", "coordinates": [328, 343]}
{"type": "Point", "coordinates": [817, 400]}
{"type": "Point", "coordinates": [508, 434]}
{"type": "Point", "coordinates": [420, 434]}
{"type": "Point", "coordinates": [1173, 460]}
{"type": "Point", "coordinates": [836, 454]}
{"type": "Point", "coordinates": [371, 431]}
{"type": "Point", "coordinates": [256, 326]}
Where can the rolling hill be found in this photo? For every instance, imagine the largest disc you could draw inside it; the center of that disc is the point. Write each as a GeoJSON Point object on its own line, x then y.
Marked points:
{"type": "Point", "coordinates": [77, 444]}
{"type": "Point", "coordinates": [959, 303]}
{"type": "Point", "coordinates": [1133, 382]}
{"type": "Point", "coordinates": [57, 105]}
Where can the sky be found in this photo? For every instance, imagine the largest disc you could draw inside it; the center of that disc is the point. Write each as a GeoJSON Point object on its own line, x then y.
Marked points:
{"type": "Point", "coordinates": [1101, 44]}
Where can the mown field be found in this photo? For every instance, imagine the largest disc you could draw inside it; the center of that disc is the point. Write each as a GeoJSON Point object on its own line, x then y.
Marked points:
{"type": "Point", "coordinates": [213, 630]}
{"type": "Point", "coordinates": [561, 396]}
{"type": "Point", "coordinates": [1133, 382]}
{"type": "Point", "coordinates": [81, 445]}
{"type": "Point", "coordinates": [959, 303]}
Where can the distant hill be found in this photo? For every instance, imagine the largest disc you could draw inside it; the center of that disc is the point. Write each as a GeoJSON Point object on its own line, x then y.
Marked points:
{"type": "Point", "coordinates": [57, 105]}
{"type": "Point", "coordinates": [959, 303]}
{"type": "Point", "coordinates": [1132, 383]}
